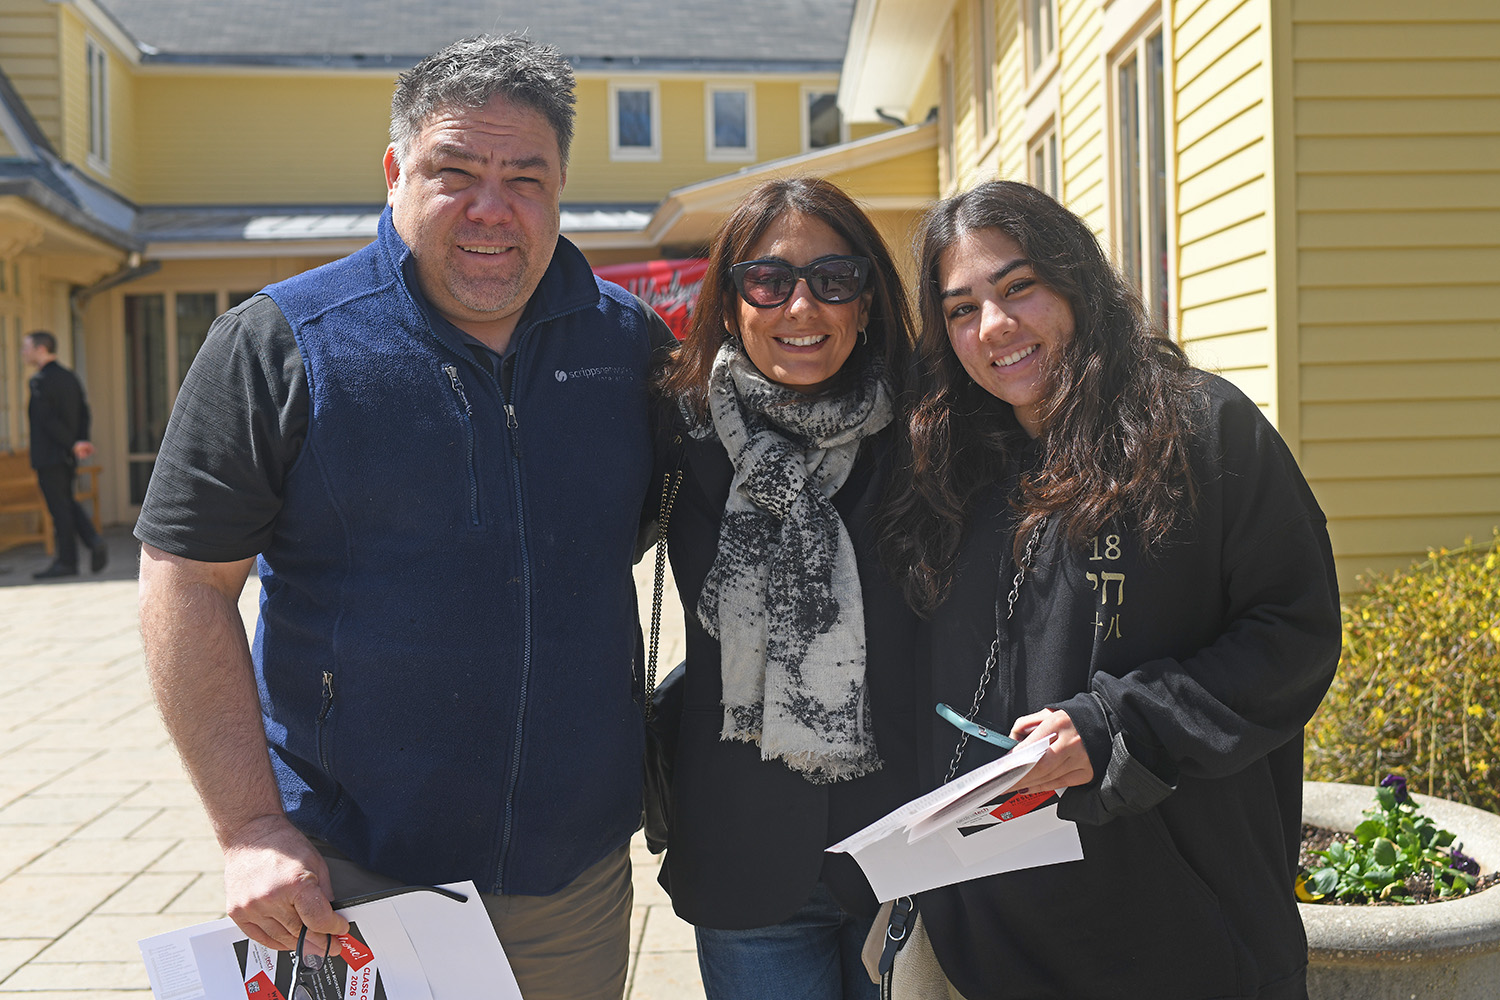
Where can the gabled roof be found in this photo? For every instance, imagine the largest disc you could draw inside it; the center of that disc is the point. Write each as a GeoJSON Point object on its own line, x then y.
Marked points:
{"type": "Point", "coordinates": [34, 173]}
{"type": "Point", "coordinates": [717, 35]}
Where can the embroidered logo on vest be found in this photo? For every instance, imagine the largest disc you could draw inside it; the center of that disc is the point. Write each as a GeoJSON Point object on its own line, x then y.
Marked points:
{"type": "Point", "coordinates": [610, 374]}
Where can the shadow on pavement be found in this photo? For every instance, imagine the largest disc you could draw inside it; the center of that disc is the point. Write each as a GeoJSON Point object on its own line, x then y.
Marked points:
{"type": "Point", "coordinates": [17, 565]}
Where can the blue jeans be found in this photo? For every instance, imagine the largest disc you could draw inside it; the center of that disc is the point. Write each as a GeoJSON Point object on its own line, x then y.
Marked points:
{"type": "Point", "coordinates": [811, 955]}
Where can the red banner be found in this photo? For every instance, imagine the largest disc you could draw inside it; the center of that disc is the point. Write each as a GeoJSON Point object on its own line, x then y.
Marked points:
{"type": "Point", "coordinates": [668, 286]}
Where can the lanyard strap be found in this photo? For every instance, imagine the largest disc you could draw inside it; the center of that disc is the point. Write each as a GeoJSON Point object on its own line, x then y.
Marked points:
{"type": "Point", "coordinates": [990, 661]}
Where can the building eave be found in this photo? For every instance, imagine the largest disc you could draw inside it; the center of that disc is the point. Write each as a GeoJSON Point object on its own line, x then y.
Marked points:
{"type": "Point", "coordinates": [891, 43]}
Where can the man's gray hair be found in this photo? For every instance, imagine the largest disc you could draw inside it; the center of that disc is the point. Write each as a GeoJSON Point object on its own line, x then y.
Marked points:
{"type": "Point", "coordinates": [465, 75]}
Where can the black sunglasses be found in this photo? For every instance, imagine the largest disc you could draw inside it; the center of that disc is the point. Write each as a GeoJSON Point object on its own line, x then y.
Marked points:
{"type": "Point", "coordinates": [307, 962]}
{"type": "Point", "coordinates": [835, 279]}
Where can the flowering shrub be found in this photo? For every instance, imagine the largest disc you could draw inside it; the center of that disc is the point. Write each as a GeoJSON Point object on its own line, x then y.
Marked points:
{"type": "Point", "coordinates": [1393, 846]}
{"type": "Point", "coordinates": [1418, 688]}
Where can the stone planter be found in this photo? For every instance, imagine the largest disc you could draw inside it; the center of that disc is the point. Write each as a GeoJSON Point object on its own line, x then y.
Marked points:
{"type": "Point", "coordinates": [1435, 951]}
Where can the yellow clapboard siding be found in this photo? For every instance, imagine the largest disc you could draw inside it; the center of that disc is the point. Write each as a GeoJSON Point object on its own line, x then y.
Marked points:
{"type": "Point", "coordinates": [1408, 189]}
{"type": "Point", "coordinates": [1245, 132]}
{"type": "Point", "coordinates": [1221, 209]}
{"type": "Point", "coordinates": [1400, 342]}
{"type": "Point", "coordinates": [1477, 115]}
{"type": "Point", "coordinates": [1081, 130]}
{"type": "Point", "coordinates": [1399, 11]}
{"type": "Point", "coordinates": [1410, 536]}
{"type": "Point", "coordinates": [1352, 229]}
{"type": "Point", "coordinates": [1398, 418]}
{"type": "Point", "coordinates": [1471, 40]}
{"type": "Point", "coordinates": [1434, 496]}
{"type": "Point", "coordinates": [1227, 89]}
{"type": "Point", "coordinates": [1247, 238]}
{"type": "Point", "coordinates": [1414, 379]}
{"type": "Point", "coordinates": [1184, 11]}
{"type": "Point", "coordinates": [1255, 383]}
{"type": "Point", "coordinates": [1376, 154]}
{"type": "Point", "coordinates": [1453, 303]}
{"type": "Point", "coordinates": [1432, 77]}
{"type": "Point", "coordinates": [1235, 352]}
{"type": "Point", "coordinates": [1399, 265]}
{"type": "Point", "coordinates": [1229, 281]}
{"type": "Point", "coordinates": [1195, 21]}
{"type": "Point", "coordinates": [276, 140]}
{"type": "Point", "coordinates": [1245, 165]}
{"type": "Point", "coordinates": [1413, 458]}
{"type": "Point", "coordinates": [911, 176]}
{"type": "Point", "coordinates": [1236, 28]}
{"type": "Point", "coordinates": [1247, 312]}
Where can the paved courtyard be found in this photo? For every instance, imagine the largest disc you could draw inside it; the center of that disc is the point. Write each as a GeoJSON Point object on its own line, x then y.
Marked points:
{"type": "Point", "coordinates": [102, 841]}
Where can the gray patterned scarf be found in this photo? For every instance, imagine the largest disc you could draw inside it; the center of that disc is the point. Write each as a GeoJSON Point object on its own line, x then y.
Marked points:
{"type": "Point", "coordinates": [783, 595]}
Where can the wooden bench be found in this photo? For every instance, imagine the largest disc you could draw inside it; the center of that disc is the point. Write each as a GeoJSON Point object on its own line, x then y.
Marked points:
{"type": "Point", "coordinates": [23, 512]}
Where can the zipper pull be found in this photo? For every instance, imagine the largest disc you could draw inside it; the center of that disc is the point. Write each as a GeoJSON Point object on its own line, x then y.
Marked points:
{"type": "Point", "coordinates": [510, 416]}
{"type": "Point", "coordinates": [328, 685]}
{"type": "Point", "coordinates": [458, 388]}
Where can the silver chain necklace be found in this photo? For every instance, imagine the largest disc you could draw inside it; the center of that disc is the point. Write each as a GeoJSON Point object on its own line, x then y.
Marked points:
{"type": "Point", "coordinates": [993, 658]}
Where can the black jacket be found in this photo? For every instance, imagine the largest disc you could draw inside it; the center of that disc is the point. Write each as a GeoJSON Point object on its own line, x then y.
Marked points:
{"type": "Point", "coordinates": [1189, 676]}
{"type": "Point", "coordinates": [59, 416]}
{"type": "Point", "coordinates": [747, 837]}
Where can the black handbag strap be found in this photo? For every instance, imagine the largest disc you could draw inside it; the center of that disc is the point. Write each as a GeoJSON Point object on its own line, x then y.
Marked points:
{"type": "Point", "coordinates": [669, 484]}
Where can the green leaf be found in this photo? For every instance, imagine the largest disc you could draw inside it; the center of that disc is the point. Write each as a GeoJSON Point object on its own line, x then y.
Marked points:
{"type": "Point", "coordinates": [1386, 797]}
{"type": "Point", "coordinates": [1323, 881]}
{"type": "Point", "coordinates": [1443, 838]}
{"type": "Point", "coordinates": [1367, 831]}
{"type": "Point", "coordinates": [1383, 852]}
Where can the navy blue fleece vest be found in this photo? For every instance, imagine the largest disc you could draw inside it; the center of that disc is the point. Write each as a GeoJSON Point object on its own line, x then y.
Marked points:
{"type": "Point", "coordinates": [448, 619]}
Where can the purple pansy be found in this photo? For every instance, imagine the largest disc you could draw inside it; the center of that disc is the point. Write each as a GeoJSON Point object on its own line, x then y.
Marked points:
{"type": "Point", "coordinates": [1397, 784]}
{"type": "Point", "coordinates": [1462, 862]}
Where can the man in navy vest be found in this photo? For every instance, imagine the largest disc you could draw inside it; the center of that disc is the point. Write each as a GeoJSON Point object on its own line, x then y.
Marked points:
{"type": "Point", "coordinates": [436, 452]}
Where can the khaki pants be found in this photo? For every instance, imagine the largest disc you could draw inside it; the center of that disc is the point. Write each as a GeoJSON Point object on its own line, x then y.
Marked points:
{"type": "Point", "coordinates": [571, 945]}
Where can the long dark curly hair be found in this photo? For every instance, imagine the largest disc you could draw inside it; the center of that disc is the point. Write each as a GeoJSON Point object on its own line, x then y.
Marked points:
{"type": "Point", "coordinates": [1116, 412]}
{"type": "Point", "coordinates": [888, 328]}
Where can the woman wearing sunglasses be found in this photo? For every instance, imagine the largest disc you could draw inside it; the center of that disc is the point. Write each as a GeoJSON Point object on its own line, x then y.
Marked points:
{"type": "Point", "coordinates": [1118, 553]}
{"type": "Point", "coordinates": [796, 728]}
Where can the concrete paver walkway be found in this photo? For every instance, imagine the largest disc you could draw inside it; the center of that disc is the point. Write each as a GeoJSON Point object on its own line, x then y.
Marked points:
{"type": "Point", "coordinates": [102, 840]}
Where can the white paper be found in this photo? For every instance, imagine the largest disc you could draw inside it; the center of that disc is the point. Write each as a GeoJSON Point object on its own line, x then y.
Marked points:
{"type": "Point", "coordinates": [409, 946]}
{"type": "Point", "coordinates": [919, 847]}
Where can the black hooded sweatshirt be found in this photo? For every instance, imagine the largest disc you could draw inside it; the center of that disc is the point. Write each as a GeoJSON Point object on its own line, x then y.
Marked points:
{"type": "Point", "coordinates": [1189, 673]}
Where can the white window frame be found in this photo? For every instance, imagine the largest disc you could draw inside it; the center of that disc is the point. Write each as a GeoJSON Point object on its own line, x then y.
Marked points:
{"type": "Point", "coordinates": [1041, 34]}
{"type": "Point", "coordinates": [634, 153]}
{"type": "Point", "coordinates": [986, 96]}
{"type": "Point", "coordinates": [712, 150]}
{"type": "Point", "coordinates": [96, 77]}
{"type": "Point", "coordinates": [1047, 176]}
{"type": "Point", "coordinates": [1141, 168]}
{"type": "Point", "coordinates": [806, 93]}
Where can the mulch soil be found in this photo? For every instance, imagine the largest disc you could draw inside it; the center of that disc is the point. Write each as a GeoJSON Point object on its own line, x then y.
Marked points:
{"type": "Point", "coordinates": [1317, 838]}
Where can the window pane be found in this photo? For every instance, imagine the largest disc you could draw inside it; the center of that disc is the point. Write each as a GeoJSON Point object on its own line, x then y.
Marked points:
{"type": "Point", "coordinates": [195, 314]}
{"type": "Point", "coordinates": [823, 123]}
{"type": "Point", "coordinates": [635, 118]}
{"type": "Point", "coordinates": [731, 119]}
{"type": "Point", "coordinates": [1156, 178]}
{"type": "Point", "coordinates": [1129, 167]}
{"type": "Point", "coordinates": [146, 382]}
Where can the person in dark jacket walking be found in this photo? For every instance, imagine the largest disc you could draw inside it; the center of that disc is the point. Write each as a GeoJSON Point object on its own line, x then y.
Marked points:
{"type": "Point", "coordinates": [797, 727]}
{"type": "Point", "coordinates": [59, 415]}
{"type": "Point", "coordinates": [1116, 553]}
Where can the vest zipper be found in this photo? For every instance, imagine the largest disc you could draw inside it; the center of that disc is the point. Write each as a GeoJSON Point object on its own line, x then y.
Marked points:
{"type": "Point", "coordinates": [463, 401]}
{"type": "Point", "coordinates": [509, 368]}
{"type": "Point", "coordinates": [327, 706]}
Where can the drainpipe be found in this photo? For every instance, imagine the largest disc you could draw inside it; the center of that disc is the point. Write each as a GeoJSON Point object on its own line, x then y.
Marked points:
{"type": "Point", "coordinates": [79, 297]}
